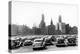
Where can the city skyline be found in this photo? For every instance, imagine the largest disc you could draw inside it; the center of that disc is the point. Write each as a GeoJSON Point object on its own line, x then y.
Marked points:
{"type": "Point", "coordinates": [30, 13]}
{"type": "Point", "coordinates": [42, 29]}
{"type": "Point", "coordinates": [41, 26]}
{"type": "Point", "coordinates": [59, 20]}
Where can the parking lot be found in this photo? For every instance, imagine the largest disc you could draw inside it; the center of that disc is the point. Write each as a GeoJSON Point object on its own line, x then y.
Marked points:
{"type": "Point", "coordinates": [26, 44]}
{"type": "Point", "coordinates": [49, 48]}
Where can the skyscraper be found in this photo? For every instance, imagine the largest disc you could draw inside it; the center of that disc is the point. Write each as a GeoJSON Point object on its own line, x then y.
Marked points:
{"type": "Point", "coordinates": [42, 26]}
{"type": "Point", "coordinates": [51, 28]}
{"type": "Point", "coordinates": [42, 23]}
{"type": "Point", "coordinates": [51, 22]}
{"type": "Point", "coordinates": [61, 25]}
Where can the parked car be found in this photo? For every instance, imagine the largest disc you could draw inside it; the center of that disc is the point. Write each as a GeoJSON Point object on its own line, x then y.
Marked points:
{"type": "Point", "coordinates": [11, 44]}
{"type": "Point", "coordinates": [39, 43]}
{"type": "Point", "coordinates": [48, 41]}
{"type": "Point", "coordinates": [61, 43]}
{"type": "Point", "coordinates": [15, 43]}
{"type": "Point", "coordinates": [53, 40]}
{"type": "Point", "coordinates": [33, 38]}
{"type": "Point", "coordinates": [72, 41]}
{"type": "Point", "coordinates": [27, 43]}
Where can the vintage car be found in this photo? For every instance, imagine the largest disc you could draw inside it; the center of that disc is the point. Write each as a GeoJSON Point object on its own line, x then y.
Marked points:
{"type": "Point", "coordinates": [14, 43]}
{"type": "Point", "coordinates": [39, 43]}
{"type": "Point", "coordinates": [72, 41]}
{"type": "Point", "coordinates": [61, 42]}
{"type": "Point", "coordinates": [53, 40]}
{"type": "Point", "coordinates": [48, 41]}
{"type": "Point", "coordinates": [27, 43]}
{"type": "Point", "coordinates": [33, 38]}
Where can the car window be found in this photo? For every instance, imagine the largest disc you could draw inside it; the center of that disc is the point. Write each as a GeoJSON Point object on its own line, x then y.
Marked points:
{"type": "Point", "coordinates": [60, 41]}
{"type": "Point", "coordinates": [38, 40]}
{"type": "Point", "coordinates": [71, 40]}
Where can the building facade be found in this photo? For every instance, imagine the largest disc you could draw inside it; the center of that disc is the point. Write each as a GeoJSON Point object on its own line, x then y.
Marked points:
{"type": "Point", "coordinates": [42, 26]}
{"type": "Point", "coordinates": [61, 26]}
{"type": "Point", "coordinates": [51, 28]}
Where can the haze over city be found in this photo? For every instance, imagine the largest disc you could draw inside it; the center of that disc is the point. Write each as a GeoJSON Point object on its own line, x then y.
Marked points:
{"type": "Point", "coordinates": [24, 13]}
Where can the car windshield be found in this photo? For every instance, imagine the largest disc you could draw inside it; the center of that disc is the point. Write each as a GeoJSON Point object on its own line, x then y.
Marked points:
{"type": "Point", "coordinates": [60, 41]}
{"type": "Point", "coordinates": [72, 40]}
{"type": "Point", "coordinates": [38, 40]}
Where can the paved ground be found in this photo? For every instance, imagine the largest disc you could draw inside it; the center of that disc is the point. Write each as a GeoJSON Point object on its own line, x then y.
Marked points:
{"type": "Point", "coordinates": [49, 48]}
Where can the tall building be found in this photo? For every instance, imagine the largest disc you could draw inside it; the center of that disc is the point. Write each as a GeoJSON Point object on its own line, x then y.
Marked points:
{"type": "Point", "coordinates": [51, 22]}
{"type": "Point", "coordinates": [68, 28]}
{"type": "Point", "coordinates": [42, 26]}
{"type": "Point", "coordinates": [42, 23]}
{"type": "Point", "coordinates": [51, 28]}
{"type": "Point", "coordinates": [61, 26]}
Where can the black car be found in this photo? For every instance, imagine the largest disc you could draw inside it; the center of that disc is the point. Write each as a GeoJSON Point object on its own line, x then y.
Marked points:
{"type": "Point", "coordinates": [61, 43]}
{"type": "Point", "coordinates": [53, 40]}
{"type": "Point", "coordinates": [72, 42]}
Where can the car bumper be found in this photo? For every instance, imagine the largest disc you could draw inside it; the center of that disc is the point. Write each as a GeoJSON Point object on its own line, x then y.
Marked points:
{"type": "Point", "coordinates": [72, 44]}
{"type": "Point", "coordinates": [62, 45]}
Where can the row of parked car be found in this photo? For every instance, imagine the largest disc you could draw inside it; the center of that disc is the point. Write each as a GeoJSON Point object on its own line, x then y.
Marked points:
{"type": "Point", "coordinates": [42, 42]}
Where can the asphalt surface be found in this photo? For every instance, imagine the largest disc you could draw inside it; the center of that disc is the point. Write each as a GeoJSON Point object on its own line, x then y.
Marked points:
{"type": "Point", "coordinates": [49, 48]}
{"type": "Point", "coordinates": [26, 49]}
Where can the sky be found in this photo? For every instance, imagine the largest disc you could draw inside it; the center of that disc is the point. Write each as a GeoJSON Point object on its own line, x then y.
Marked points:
{"type": "Point", "coordinates": [30, 14]}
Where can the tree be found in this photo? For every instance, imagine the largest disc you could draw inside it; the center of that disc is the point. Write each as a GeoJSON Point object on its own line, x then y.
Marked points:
{"type": "Point", "coordinates": [38, 31]}
{"type": "Point", "coordinates": [74, 30]}
{"type": "Point", "coordinates": [26, 30]}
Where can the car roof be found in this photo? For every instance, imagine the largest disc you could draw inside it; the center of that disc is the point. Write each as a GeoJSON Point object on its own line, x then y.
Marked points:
{"type": "Point", "coordinates": [27, 40]}
{"type": "Point", "coordinates": [14, 38]}
{"type": "Point", "coordinates": [39, 39]}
